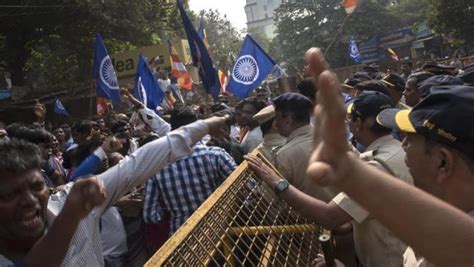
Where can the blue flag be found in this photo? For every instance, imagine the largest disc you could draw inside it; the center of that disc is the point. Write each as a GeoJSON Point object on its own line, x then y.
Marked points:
{"type": "Point", "coordinates": [59, 108]}
{"type": "Point", "coordinates": [200, 55]}
{"type": "Point", "coordinates": [147, 89]}
{"type": "Point", "coordinates": [250, 69]}
{"type": "Point", "coordinates": [201, 31]}
{"type": "Point", "coordinates": [104, 74]}
{"type": "Point", "coordinates": [278, 72]}
{"type": "Point", "coordinates": [354, 51]}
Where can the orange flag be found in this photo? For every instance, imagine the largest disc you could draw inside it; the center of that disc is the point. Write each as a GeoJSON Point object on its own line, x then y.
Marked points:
{"type": "Point", "coordinates": [178, 70]}
{"type": "Point", "coordinates": [102, 105]}
{"type": "Point", "coordinates": [223, 79]}
{"type": "Point", "coordinates": [170, 99]}
{"type": "Point", "coordinates": [350, 5]}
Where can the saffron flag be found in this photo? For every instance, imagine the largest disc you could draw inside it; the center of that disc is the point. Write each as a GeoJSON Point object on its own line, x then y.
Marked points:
{"type": "Point", "coordinates": [251, 68]}
{"type": "Point", "coordinates": [350, 6]}
{"type": "Point", "coordinates": [147, 89]}
{"type": "Point", "coordinates": [59, 108]}
{"type": "Point", "coordinates": [178, 70]}
{"type": "Point", "coordinates": [393, 54]}
{"type": "Point", "coordinates": [224, 80]}
{"type": "Point", "coordinates": [176, 93]}
{"type": "Point", "coordinates": [102, 106]}
{"type": "Point", "coordinates": [107, 85]}
{"type": "Point", "coordinates": [200, 55]}
{"type": "Point", "coordinates": [170, 99]}
{"type": "Point", "coordinates": [354, 51]}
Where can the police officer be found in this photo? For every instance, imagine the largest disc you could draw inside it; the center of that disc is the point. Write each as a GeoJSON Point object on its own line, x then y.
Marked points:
{"type": "Point", "coordinates": [292, 120]}
{"type": "Point", "coordinates": [439, 147]}
{"type": "Point", "coordinates": [375, 245]}
{"type": "Point", "coordinates": [440, 150]}
{"type": "Point", "coordinates": [272, 140]}
{"type": "Point", "coordinates": [411, 93]}
{"type": "Point", "coordinates": [395, 85]}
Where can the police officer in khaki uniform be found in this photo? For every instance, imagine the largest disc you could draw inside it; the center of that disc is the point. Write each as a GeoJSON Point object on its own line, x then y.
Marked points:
{"type": "Point", "coordinates": [292, 120]}
{"type": "Point", "coordinates": [439, 148]}
{"type": "Point", "coordinates": [272, 140]}
{"type": "Point", "coordinates": [375, 245]}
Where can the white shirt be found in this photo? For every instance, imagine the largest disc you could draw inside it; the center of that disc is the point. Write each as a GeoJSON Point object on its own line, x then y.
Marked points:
{"type": "Point", "coordinates": [113, 235]}
{"type": "Point", "coordinates": [85, 248]}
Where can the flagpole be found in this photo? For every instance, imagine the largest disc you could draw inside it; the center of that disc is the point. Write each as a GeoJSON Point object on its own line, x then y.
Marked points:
{"type": "Point", "coordinates": [337, 35]}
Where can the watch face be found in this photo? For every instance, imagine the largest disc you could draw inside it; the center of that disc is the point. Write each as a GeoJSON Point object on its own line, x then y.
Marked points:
{"type": "Point", "coordinates": [281, 186]}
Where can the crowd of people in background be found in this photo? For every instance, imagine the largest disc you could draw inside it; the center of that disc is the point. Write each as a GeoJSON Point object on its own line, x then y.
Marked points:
{"type": "Point", "coordinates": [110, 190]}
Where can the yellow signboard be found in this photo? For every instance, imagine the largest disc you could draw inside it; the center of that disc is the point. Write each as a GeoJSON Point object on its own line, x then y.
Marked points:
{"type": "Point", "coordinates": [125, 64]}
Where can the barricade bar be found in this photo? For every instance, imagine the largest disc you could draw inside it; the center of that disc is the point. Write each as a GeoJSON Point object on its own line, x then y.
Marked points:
{"type": "Point", "coordinates": [243, 223]}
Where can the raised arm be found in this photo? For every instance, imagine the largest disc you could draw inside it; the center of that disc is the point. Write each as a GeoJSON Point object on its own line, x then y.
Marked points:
{"type": "Point", "coordinates": [156, 123]}
{"type": "Point", "coordinates": [148, 116]}
{"type": "Point", "coordinates": [443, 234]}
{"type": "Point", "coordinates": [148, 160]}
{"type": "Point", "coordinates": [94, 161]}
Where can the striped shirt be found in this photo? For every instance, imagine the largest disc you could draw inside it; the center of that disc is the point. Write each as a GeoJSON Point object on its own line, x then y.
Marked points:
{"type": "Point", "coordinates": [181, 187]}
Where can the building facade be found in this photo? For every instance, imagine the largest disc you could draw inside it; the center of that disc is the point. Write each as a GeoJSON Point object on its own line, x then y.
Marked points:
{"type": "Point", "coordinates": [260, 16]}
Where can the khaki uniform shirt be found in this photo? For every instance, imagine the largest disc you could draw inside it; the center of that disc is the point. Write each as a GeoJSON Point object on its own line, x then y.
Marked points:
{"type": "Point", "coordinates": [251, 140]}
{"type": "Point", "coordinates": [410, 258]}
{"type": "Point", "coordinates": [270, 145]}
{"type": "Point", "coordinates": [376, 245]}
{"type": "Point", "coordinates": [292, 161]}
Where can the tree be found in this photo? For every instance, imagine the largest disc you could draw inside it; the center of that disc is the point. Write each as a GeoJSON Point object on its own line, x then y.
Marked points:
{"type": "Point", "coordinates": [410, 12]}
{"type": "Point", "coordinates": [224, 39]}
{"type": "Point", "coordinates": [454, 19]}
{"type": "Point", "coordinates": [302, 25]}
{"type": "Point", "coordinates": [260, 38]}
{"type": "Point", "coordinates": [54, 39]}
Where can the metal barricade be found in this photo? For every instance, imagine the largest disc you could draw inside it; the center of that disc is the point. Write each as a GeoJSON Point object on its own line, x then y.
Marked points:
{"type": "Point", "coordinates": [243, 223]}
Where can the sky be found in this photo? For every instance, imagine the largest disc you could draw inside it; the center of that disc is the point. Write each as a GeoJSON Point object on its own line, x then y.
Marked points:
{"type": "Point", "coordinates": [234, 9]}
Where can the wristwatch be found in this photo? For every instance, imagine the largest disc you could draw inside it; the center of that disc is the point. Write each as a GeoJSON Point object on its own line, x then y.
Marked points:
{"type": "Point", "coordinates": [281, 186]}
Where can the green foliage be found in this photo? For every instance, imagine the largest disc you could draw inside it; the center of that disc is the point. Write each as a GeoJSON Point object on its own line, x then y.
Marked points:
{"type": "Point", "coordinates": [224, 39]}
{"type": "Point", "coordinates": [261, 39]}
{"type": "Point", "coordinates": [56, 40]}
{"type": "Point", "coordinates": [454, 19]}
{"type": "Point", "coordinates": [410, 12]}
{"type": "Point", "coordinates": [302, 25]}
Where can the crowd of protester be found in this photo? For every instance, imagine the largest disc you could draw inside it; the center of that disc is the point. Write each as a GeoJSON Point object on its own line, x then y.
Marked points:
{"type": "Point", "coordinates": [383, 159]}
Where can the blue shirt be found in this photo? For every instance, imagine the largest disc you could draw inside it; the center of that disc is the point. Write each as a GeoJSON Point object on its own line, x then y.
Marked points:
{"type": "Point", "coordinates": [181, 187]}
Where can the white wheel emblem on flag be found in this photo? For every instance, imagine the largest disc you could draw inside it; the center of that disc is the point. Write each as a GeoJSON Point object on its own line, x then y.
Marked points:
{"type": "Point", "coordinates": [59, 104]}
{"type": "Point", "coordinates": [245, 70]}
{"type": "Point", "coordinates": [354, 50]}
{"type": "Point", "coordinates": [107, 73]}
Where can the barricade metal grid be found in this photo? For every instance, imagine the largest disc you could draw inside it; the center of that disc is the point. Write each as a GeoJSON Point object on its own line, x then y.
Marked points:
{"type": "Point", "coordinates": [243, 223]}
